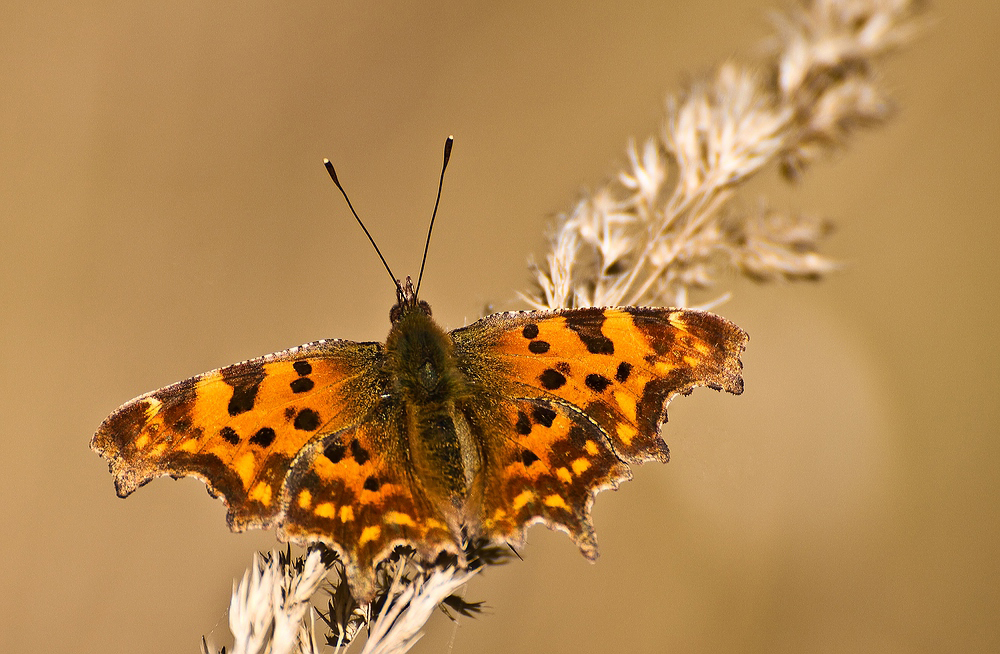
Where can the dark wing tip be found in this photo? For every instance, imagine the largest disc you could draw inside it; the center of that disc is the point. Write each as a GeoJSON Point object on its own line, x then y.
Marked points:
{"type": "Point", "coordinates": [734, 346]}
{"type": "Point", "coordinates": [729, 342]}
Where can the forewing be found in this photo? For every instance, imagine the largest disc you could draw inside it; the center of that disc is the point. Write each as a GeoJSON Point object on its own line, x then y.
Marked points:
{"type": "Point", "coordinates": [353, 489]}
{"type": "Point", "coordinates": [239, 428]}
{"type": "Point", "coordinates": [619, 366]}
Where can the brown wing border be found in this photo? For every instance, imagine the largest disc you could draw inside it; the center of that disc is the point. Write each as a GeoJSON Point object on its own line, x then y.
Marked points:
{"type": "Point", "coordinates": [115, 437]}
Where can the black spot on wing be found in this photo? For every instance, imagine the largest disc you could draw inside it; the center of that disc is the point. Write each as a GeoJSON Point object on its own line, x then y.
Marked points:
{"type": "Point", "coordinates": [587, 325]}
{"type": "Point", "coordinates": [543, 415]}
{"type": "Point", "coordinates": [303, 368]}
{"type": "Point", "coordinates": [359, 453]}
{"type": "Point", "coordinates": [229, 435]}
{"type": "Point", "coordinates": [371, 483]}
{"type": "Point", "coordinates": [263, 437]}
{"type": "Point", "coordinates": [624, 370]}
{"type": "Point", "coordinates": [245, 379]}
{"type": "Point", "coordinates": [597, 383]}
{"type": "Point", "coordinates": [335, 452]}
{"type": "Point", "coordinates": [530, 330]}
{"type": "Point", "coordinates": [528, 457]}
{"type": "Point", "coordinates": [552, 379]}
{"type": "Point", "coordinates": [242, 400]}
{"type": "Point", "coordinates": [523, 425]}
{"type": "Point", "coordinates": [538, 347]}
{"type": "Point", "coordinates": [307, 420]}
{"type": "Point", "coordinates": [301, 385]}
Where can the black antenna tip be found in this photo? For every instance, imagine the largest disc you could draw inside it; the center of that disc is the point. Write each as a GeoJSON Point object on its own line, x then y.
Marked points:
{"type": "Point", "coordinates": [447, 148]}
{"type": "Point", "coordinates": [333, 176]}
{"type": "Point", "coordinates": [333, 173]}
{"type": "Point", "coordinates": [444, 166]}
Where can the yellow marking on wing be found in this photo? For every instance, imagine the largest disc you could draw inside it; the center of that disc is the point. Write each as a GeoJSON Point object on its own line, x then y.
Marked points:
{"type": "Point", "coordinates": [369, 534]}
{"type": "Point", "coordinates": [158, 450]}
{"type": "Point", "coordinates": [152, 407]}
{"type": "Point", "coordinates": [591, 447]}
{"type": "Point", "coordinates": [626, 432]}
{"type": "Point", "coordinates": [691, 361]}
{"type": "Point", "coordinates": [627, 403]}
{"type": "Point", "coordinates": [142, 441]}
{"type": "Point", "coordinates": [190, 445]}
{"type": "Point", "coordinates": [397, 518]}
{"type": "Point", "coordinates": [499, 514]}
{"type": "Point", "coordinates": [564, 475]}
{"type": "Point", "coordinates": [701, 347]}
{"type": "Point", "coordinates": [437, 524]}
{"type": "Point", "coordinates": [346, 514]}
{"type": "Point", "coordinates": [261, 492]}
{"type": "Point", "coordinates": [662, 368]}
{"type": "Point", "coordinates": [305, 499]}
{"type": "Point", "coordinates": [244, 467]}
{"type": "Point", "coordinates": [556, 502]}
{"type": "Point", "coordinates": [325, 510]}
{"type": "Point", "coordinates": [580, 466]}
{"type": "Point", "coordinates": [522, 499]}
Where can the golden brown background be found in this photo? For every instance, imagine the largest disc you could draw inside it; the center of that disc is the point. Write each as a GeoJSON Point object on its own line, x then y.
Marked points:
{"type": "Point", "coordinates": [165, 211]}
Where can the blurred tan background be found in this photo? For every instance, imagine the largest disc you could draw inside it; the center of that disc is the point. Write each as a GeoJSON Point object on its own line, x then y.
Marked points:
{"type": "Point", "coordinates": [165, 211]}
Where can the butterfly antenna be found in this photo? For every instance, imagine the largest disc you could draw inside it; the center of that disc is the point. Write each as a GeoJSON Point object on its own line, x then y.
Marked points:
{"type": "Point", "coordinates": [447, 155]}
{"type": "Point", "coordinates": [333, 176]}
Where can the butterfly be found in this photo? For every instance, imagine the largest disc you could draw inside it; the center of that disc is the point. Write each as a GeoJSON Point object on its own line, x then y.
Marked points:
{"type": "Point", "coordinates": [433, 438]}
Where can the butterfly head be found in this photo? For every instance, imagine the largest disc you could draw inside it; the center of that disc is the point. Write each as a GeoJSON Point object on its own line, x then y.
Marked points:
{"type": "Point", "coordinates": [406, 301]}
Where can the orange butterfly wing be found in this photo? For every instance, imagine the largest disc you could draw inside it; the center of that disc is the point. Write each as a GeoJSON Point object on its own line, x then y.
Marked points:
{"type": "Point", "coordinates": [309, 439]}
{"type": "Point", "coordinates": [578, 394]}
{"type": "Point", "coordinates": [318, 439]}
{"type": "Point", "coordinates": [354, 489]}
{"type": "Point", "coordinates": [239, 428]}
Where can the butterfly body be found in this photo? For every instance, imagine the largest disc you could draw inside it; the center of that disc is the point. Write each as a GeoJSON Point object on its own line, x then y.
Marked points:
{"type": "Point", "coordinates": [433, 438]}
{"type": "Point", "coordinates": [428, 386]}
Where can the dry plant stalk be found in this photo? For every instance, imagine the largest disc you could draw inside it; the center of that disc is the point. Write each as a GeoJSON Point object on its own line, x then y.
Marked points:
{"type": "Point", "coordinates": [664, 228]}
{"type": "Point", "coordinates": [667, 226]}
{"type": "Point", "coordinates": [269, 605]}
